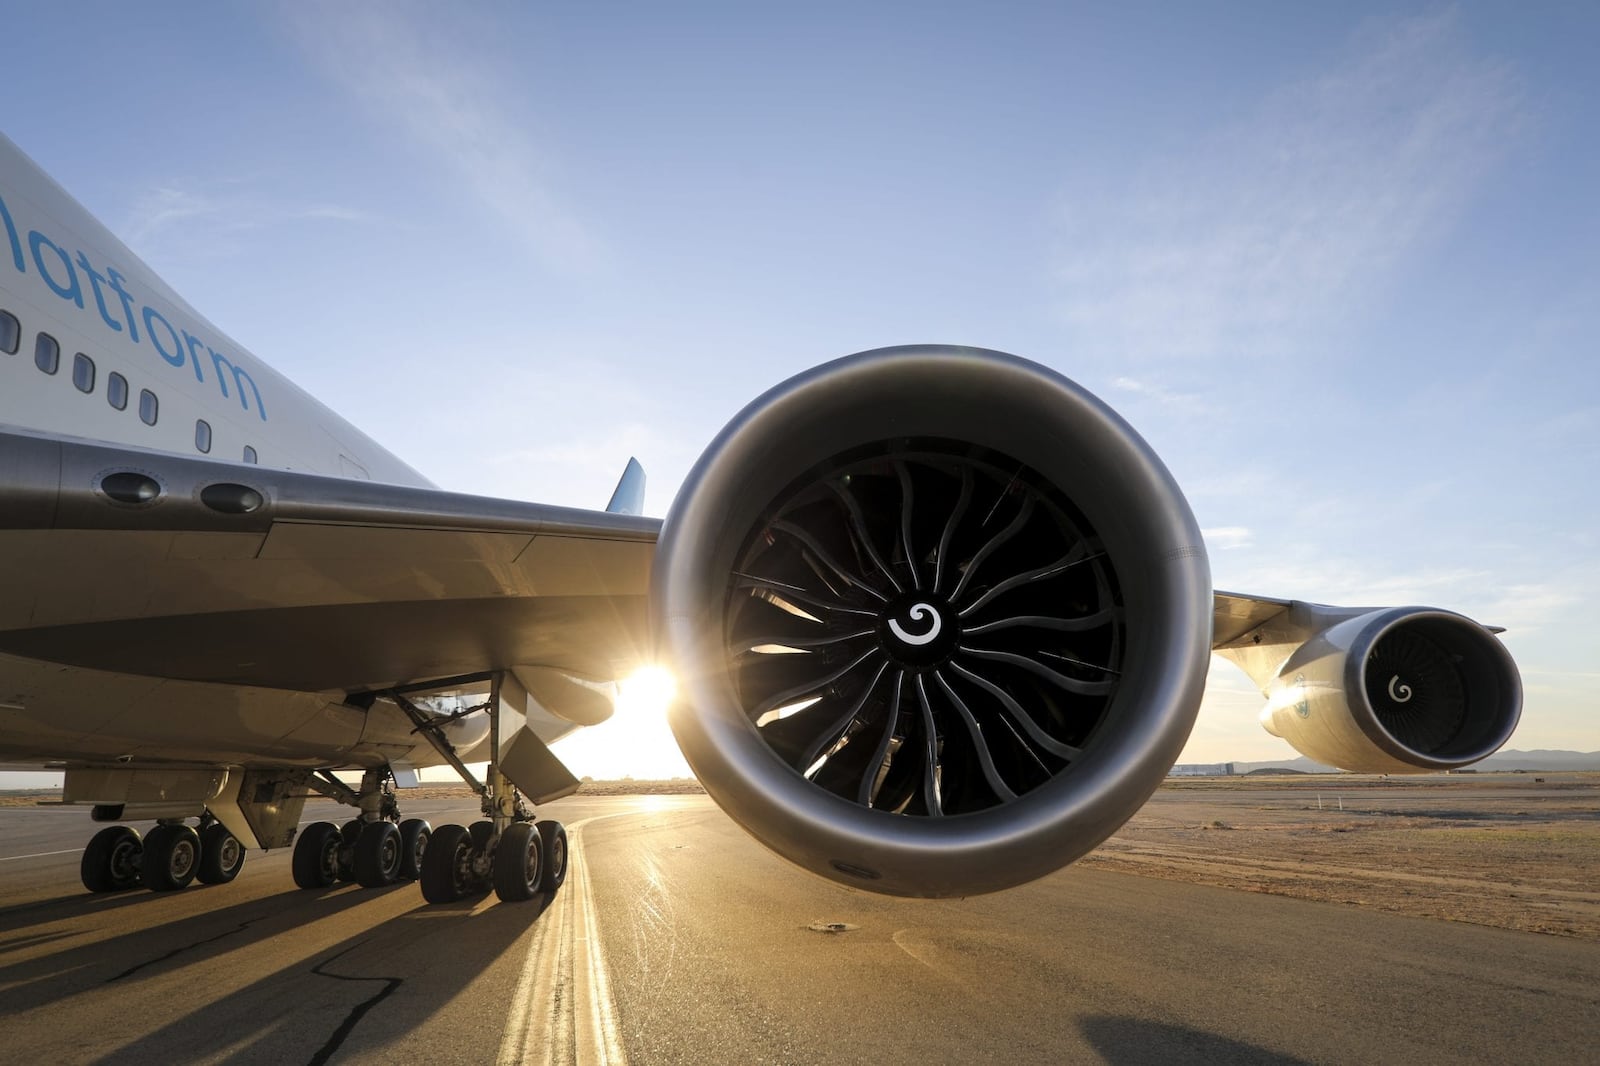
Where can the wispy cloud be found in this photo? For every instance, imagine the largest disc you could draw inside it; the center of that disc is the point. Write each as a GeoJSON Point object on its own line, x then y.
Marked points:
{"type": "Point", "coordinates": [234, 206]}
{"type": "Point", "coordinates": [1224, 538]}
{"type": "Point", "coordinates": [408, 66]}
{"type": "Point", "coordinates": [1186, 402]}
{"type": "Point", "coordinates": [1269, 225]}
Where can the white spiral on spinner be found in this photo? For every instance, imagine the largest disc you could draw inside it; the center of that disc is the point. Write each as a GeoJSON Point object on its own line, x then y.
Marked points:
{"type": "Point", "coordinates": [917, 613]}
{"type": "Point", "coordinates": [1398, 690]}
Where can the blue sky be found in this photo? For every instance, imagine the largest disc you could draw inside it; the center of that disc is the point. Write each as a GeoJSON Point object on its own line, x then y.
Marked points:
{"type": "Point", "coordinates": [1339, 264]}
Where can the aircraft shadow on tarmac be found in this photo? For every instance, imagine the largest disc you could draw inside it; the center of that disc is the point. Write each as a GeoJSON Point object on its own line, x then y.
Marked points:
{"type": "Point", "coordinates": [1137, 1041]}
{"type": "Point", "coordinates": [76, 900]}
{"type": "Point", "coordinates": [300, 1012]}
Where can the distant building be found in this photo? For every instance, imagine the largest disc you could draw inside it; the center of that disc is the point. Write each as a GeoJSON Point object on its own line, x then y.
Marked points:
{"type": "Point", "coordinates": [1201, 769]}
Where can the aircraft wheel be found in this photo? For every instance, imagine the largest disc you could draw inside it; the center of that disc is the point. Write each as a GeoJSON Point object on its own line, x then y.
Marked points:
{"type": "Point", "coordinates": [447, 865]}
{"type": "Point", "coordinates": [519, 862]}
{"type": "Point", "coordinates": [349, 833]}
{"type": "Point", "coordinates": [553, 835]}
{"type": "Point", "coordinates": [221, 855]}
{"type": "Point", "coordinates": [377, 855]}
{"type": "Point", "coordinates": [171, 857]}
{"type": "Point", "coordinates": [414, 835]}
{"type": "Point", "coordinates": [111, 861]}
{"type": "Point", "coordinates": [481, 834]}
{"type": "Point", "coordinates": [316, 855]}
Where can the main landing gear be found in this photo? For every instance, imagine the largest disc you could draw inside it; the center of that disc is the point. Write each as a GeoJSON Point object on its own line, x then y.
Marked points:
{"type": "Point", "coordinates": [507, 850]}
{"type": "Point", "coordinates": [169, 857]}
{"type": "Point", "coordinates": [374, 850]}
{"type": "Point", "coordinates": [525, 859]}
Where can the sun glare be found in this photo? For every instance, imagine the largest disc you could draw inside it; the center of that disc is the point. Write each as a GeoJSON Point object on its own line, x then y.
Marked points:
{"type": "Point", "coordinates": [647, 691]}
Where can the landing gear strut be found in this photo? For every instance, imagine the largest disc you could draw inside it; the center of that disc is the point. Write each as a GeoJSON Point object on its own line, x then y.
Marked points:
{"type": "Point", "coordinates": [507, 850]}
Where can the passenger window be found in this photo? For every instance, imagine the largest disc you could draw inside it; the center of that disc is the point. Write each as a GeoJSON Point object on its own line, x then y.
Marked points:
{"type": "Point", "coordinates": [83, 372]}
{"type": "Point", "coordinates": [249, 455]}
{"type": "Point", "coordinates": [10, 333]}
{"type": "Point", "coordinates": [117, 391]}
{"type": "Point", "coordinates": [149, 407]}
{"type": "Point", "coordinates": [202, 435]}
{"type": "Point", "coordinates": [47, 354]}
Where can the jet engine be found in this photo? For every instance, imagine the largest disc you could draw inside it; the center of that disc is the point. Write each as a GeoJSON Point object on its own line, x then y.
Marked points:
{"type": "Point", "coordinates": [1397, 691]}
{"type": "Point", "coordinates": [940, 620]}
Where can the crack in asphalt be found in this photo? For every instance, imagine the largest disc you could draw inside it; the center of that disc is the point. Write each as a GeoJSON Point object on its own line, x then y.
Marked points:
{"type": "Point", "coordinates": [180, 950]}
{"type": "Point", "coordinates": [356, 1013]}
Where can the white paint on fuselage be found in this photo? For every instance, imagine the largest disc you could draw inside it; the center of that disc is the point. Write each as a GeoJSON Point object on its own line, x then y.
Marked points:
{"type": "Point", "coordinates": [56, 277]}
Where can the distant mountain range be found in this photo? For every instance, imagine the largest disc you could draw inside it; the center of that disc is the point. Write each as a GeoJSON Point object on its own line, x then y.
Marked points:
{"type": "Point", "coordinates": [1543, 760]}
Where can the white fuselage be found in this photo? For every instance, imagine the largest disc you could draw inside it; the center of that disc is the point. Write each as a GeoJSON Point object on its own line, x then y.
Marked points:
{"type": "Point", "coordinates": [65, 276]}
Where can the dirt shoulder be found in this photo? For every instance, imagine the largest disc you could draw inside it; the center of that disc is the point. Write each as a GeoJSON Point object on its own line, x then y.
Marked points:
{"type": "Point", "coordinates": [1510, 851]}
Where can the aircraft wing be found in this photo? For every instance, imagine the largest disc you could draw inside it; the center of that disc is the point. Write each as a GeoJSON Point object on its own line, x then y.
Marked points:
{"type": "Point", "coordinates": [166, 566]}
{"type": "Point", "coordinates": [1234, 615]}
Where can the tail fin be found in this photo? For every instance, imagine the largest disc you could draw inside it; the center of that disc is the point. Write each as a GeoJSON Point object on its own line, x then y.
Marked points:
{"type": "Point", "coordinates": [629, 495]}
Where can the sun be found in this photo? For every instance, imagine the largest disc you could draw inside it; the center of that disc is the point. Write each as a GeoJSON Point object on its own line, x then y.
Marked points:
{"type": "Point", "coordinates": [636, 742]}
{"type": "Point", "coordinates": [648, 691]}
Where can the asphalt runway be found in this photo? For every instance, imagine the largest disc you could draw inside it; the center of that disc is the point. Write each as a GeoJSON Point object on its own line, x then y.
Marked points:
{"type": "Point", "coordinates": [677, 939]}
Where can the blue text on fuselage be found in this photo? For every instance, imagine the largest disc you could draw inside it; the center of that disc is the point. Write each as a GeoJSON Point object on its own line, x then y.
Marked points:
{"type": "Point", "coordinates": [175, 345]}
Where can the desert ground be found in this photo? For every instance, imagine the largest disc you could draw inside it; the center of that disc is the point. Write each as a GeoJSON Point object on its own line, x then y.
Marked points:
{"type": "Point", "coordinates": [1508, 850]}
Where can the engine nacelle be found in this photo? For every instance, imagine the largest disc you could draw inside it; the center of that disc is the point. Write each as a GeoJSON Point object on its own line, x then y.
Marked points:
{"type": "Point", "coordinates": [940, 620]}
{"type": "Point", "coordinates": [1402, 690]}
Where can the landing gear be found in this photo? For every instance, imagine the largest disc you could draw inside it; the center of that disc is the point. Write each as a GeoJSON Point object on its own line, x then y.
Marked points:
{"type": "Point", "coordinates": [349, 833]}
{"type": "Point", "coordinates": [374, 850]}
{"type": "Point", "coordinates": [482, 833]}
{"type": "Point", "coordinates": [376, 858]}
{"type": "Point", "coordinates": [111, 861]}
{"type": "Point", "coordinates": [415, 835]}
{"type": "Point", "coordinates": [506, 850]}
{"type": "Point", "coordinates": [316, 855]}
{"type": "Point", "coordinates": [519, 863]}
{"type": "Point", "coordinates": [171, 857]}
{"type": "Point", "coordinates": [221, 855]}
{"type": "Point", "coordinates": [447, 867]}
{"type": "Point", "coordinates": [553, 835]}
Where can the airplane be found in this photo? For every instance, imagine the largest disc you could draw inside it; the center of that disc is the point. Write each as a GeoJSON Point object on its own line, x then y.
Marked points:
{"type": "Point", "coordinates": [938, 619]}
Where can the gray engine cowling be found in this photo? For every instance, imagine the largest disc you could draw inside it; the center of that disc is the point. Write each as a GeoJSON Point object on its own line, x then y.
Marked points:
{"type": "Point", "coordinates": [940, 620]}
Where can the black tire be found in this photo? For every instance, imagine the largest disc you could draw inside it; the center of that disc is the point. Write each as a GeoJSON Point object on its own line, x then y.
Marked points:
{"type": "Point", "coordinates": [377, 855]}
{"type": "Point", "coordinates": [447, 865]}
{"type": "Point", "coordinates": [414, 836]}
{"type": "Point", "coordinates": [221, 855]}
{"type": "Point", "coordinates": [349, 833]}
{"type": "Point", "coordinates": [553, 835]}
{"type": "Point", "coordinates": [316, 855]}
{"type": "Point", "coordinates": [111, 861]}
{"type": "Point", "coordinates": [519, 863]}
{"type": "Point", "coordinates": [481, 832]}
{"type": "Point", "coordinates": [171, 857]}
